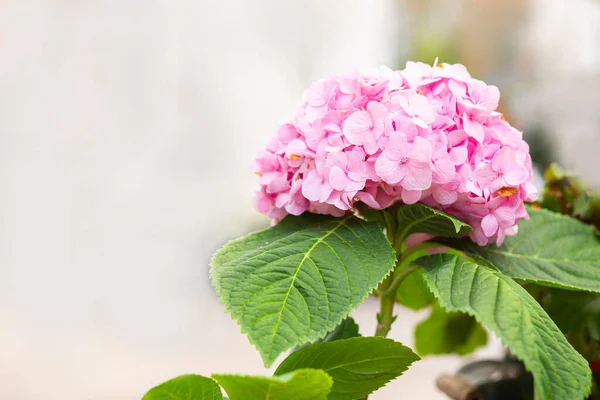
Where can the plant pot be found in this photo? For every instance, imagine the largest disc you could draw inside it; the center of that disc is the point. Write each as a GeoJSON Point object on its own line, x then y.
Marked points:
{"type": "Point", "coordinates": [489, 380]}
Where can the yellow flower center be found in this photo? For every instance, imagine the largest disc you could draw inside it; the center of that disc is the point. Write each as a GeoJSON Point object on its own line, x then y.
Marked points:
{"type": "Point", "coordinates": [506, 191]}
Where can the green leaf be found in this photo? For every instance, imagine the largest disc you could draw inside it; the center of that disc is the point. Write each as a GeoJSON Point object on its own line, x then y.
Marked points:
{"type": "Point", "coordinates": [413, 292]}
{"type": "Point", "coordinates": [186, 387]}
{"type": "Point", "coordinates": [347, 329]}
{"type": "Point", "coordinates": [419, 218]}
{"type": "Point", "coordinates": [294, 282]}
{"type": "Point", "coordinates": [358, 366]}
{"type": "Point", "coordinates": [302, 384]}
{"type": "Point", "coordinates": [448, 332]}
{"type": "Point", "coordinates": [506, 309]}
{"type": "Point", "coordinates": [550, 249]}
{"type": "Point", "coordinates": [572, 311]}
{"type": "Point", "coordinates": [582, 207]}
{"type": "Point", "coordinates": [370, 214]}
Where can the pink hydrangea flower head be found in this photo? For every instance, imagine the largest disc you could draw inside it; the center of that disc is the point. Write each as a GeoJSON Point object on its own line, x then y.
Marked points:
{"type": "Point", "coordinates": [428, 134]}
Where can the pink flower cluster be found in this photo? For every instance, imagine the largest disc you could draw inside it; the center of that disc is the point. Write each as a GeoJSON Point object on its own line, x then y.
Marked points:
{"type": "Point", "coordinates": [426, 134]}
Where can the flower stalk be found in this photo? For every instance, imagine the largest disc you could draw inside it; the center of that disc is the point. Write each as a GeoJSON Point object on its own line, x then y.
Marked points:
{"type": "Point", "coordinates": [388, 288]}
{"type": "Point", "coordinates": [385, 317]}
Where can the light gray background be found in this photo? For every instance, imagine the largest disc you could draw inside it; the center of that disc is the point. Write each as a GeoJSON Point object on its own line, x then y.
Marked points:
{"type": "Point", "coordinates": [127, 129]}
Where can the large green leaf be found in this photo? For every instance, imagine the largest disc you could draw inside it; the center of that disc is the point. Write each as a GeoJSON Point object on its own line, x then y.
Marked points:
{"type": "Point", "coordinates": [506, 308]}
{"type": "Point", "coordinates": [294, 282]}
{"type": "Point", "coordinates": [413, 292]}
{"type": "Point", "coordinates": [550, 249]}
{"type": "Point", "coordinates": [186, 387]}
{"type": "Point", "coordinates": [446, 332]}
{"type": "Point", "coordinates": [302, 384]}
{"type": "Point", "coordinates": [419, 218]}
{"type": "Point", "coordinates": [358, 366]}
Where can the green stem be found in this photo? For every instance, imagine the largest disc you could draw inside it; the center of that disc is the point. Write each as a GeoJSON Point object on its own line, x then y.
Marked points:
{"type": "Point", "coordinates": [389, 287]}
{"type": "Point", "coordinates": [404, 272]}
{"type": "Point", "coordinates": [410, 252]}
{"type": "Point", "coordinates": [385, 318]}
{"type": "Point", "coordinates": [387, 298]}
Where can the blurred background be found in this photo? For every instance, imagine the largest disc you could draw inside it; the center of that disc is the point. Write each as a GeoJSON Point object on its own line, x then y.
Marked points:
{"type": "Point", "coordinates": [127, 131]}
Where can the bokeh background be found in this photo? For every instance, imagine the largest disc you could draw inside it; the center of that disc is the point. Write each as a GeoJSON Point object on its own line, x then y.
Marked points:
{"type": "Point", "coordinates": [127, 131]}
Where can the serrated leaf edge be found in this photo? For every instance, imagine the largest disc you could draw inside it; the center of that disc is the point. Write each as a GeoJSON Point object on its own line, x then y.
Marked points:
{"type": "Point", "coordinates": [311, 338]}
{"type": "Point", "coordinates": [500, 276]}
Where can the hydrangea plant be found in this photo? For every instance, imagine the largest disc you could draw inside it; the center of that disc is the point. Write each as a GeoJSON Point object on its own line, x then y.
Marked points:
{"type": "Point", "coordinates": [408, 185]}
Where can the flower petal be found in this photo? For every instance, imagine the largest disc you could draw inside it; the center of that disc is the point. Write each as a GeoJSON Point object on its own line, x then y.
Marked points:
{"type": "Point", "coordinates": [484, 174]}
{"type": "Point", "coordinates": [505, 217]}
{"type": "Point", "coordinates": [458, 89]}
{"type": "Point", "coordinates": [368, 199]}
{"type": "Point", "coordinates": [370, 143]}
{"type": "Point", "coordinates": [311, 187]}
{"type": "Point", "coordinates": [490, 97]}
{"type": "Point", "coordinates": [504, 160]}
{"type": "Point", "coordinates": [420, 107]}
{"type": "Point", "coordinates": [411, 196]}
{"type": "Point", "coordinates": [325, 192]}
{"type": "Point", "coordinates": [489, 224]}
{"type": "Point", "coordinates": [396, 147]}
{"type": "Point", "coordinates": [377, 110]}
{"type": "Point", "coordinates": [296, 148]}
{"type": "Point", "coordinates": [390, 171]}
{"type": "Point", "coordinates": [337, 178]}
{"type": "Point", "coordinates": [443, 170]}
{"type": "Point", "coordinates": [421, 150]}
{"type": "Point", "coordinates": [406, 126]}
{"type": "Point", "coordinates": [356, 126]}
{"type": "Point", "coordinates": [473, 129]}
{"type": "Point", "coordinates": [445, 196]}
{"type": "Point", "coordinates": [317, 94]}
{"type": "Point", "coordinates": [516, 176]}
{"type": "Point", "coordinates": [418, 176]}
{"type": "Point", "coordinates": [458, 154]}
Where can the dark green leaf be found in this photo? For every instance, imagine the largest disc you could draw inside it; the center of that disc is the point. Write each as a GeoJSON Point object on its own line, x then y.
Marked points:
{"type": "Point", "coordinates": [186, 387]}
{"type": "Point", "coordinates": [448, 332]}
{"type": "Point", "coordinates": [294, 282]}
{"type": "Point", "coordinates": [419, 218]}
{"type": "Point", "coordinates": [373, 215]}
{"type": "Point", "coordinates": [570, 310]}
{"type": "Point", "coordinates": [506, 309]}
{"type": "Point", "coordinates": [302, 384]}
{"type": "Point", "coordinates": [358, 366]}
{"type": "Point", "coordinates": [346, 330]}
{"type": "Point", "coordinates": [413, 292]}
{"type": "Point", "coordinates": [550, 249]}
